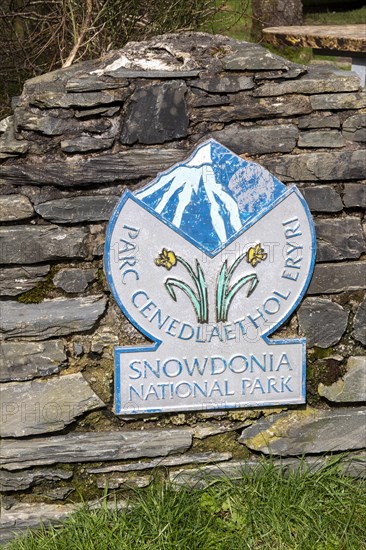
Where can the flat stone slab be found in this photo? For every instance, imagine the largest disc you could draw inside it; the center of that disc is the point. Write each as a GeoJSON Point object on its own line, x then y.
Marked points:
{"type": "Point", "coordinates": [15, 207]}
{"type": "Point", "coordinates": [224, 84]}
{"type": "Point", "coordinates": [23, 479]}
{"type": "Point", "coordinates": [339, 239]}
{"type": "Point", "coordinates": [26, 516]}
{"type": "Point", "coordinates": [350, 100]}
{"type": "Point", "coordinates": [321, 138]}
{"type": "Point", "coordinates": [319, 121]}
{"type": "Point", "coordinates": [251, 108]}
{"type": "Point", "coordinates": [30, 244]}
{"type": "Point", "coordinates": [309, 431]}
{"type": "Point", "coordinates": [16, 280]}
{"type": "Point", "coordinates": [322, 198]}
{"type": "Point", "coordinates": [27, 360]}
{"type": "Point", "coordinates": [322, 321]}
{"type": "Point", "coordinates": [258, 140]}
{"type": "Point", "coordinates": [352, 387]}
{"type": "Point", "coordinates": [93, 447]}
{"type": "Point", "coordinates": [86, 144]}
{"type": "Point", "coordinates": [359, 324]}
{"type": "Point", "coordinates": [178, 460]}
{"type": "Point", "coordinates": [156, 113]}
{"type": "Point", "coordinates": [338, 277]}
{"type": "Point", "coordinates": [126, 165]}
{"type": "Point", "coordinates": [354, 195]}
{"type": "Point", "coordinates": [199, 478]}
{"type": "Point", "coordinates": [43, 406]}
{"type": "Point", "coordinates": [50, 318]}
{"type": "Point", "coordinates": [247, 56]}
{"type": "Point", "coordinates": [313, 83]}
{"type": "Point", "coordinates": [78, 209]}
{"type": "Point", "coordinates": [115, 481]}
{"type": "Point", "coordinates": [334, 166]}
{"type": "Point", "coordinates": [74, 280]}
{"type": "Point", "coordinates": [349, 38]}
{"type": "Point", "coordinates": [354, 128]}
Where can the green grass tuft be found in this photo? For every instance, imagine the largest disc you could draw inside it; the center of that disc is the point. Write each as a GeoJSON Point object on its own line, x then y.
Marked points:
{"type": "Point", "coordinates": [266, 510]}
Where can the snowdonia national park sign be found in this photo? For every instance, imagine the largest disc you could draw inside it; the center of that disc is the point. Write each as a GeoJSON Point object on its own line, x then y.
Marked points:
{"type": "Point", "coordinates": [207, 261]}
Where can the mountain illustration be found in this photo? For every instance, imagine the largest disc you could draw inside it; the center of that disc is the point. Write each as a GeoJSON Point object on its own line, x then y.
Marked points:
{"type": "Point", "coordinates": [212, 195]}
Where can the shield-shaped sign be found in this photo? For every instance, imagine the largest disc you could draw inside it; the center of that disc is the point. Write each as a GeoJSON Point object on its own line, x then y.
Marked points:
{"type": "Point", "coordinates": [207, 261]}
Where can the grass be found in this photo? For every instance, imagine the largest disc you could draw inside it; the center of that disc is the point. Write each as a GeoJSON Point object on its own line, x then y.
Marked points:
{"type": "Point", "coordinates": [352, 17]}
{"type": "Point", "coordinates": [265, 510]}
{"type": "Point", "coordinates": [235, 20]}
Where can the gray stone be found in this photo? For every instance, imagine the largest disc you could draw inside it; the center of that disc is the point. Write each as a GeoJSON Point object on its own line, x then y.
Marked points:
{"type": "Point", "coordinates": [322, 321]}
{"type": "Point", "coordinates": [27, 360]}
{"type": "Point", "coordinates": [86, 144]}
{"type": "Point", "coordinates": [319, 120]}
{"type": "Point", "coordinates": [25, 516]}
{"type": "Point", "coordinates": [40, 121]}
{"type": "Point", "coordinates": [339, 239]}
{"type": "Point", "coordinates": [250, 57]}
{"type": "Point", "coordinates": [58, 493]}
{"type": "Point", "coordinates": [93, 447]}
{"type": "Point", "coordinates": [52, 99]}
{"type": "Point", "coordinates": [44, 406]}
{"type": "Point", "coordinates": [103, 111]}
{"type": "Point", "coordinates": [9, 145]}
{"type": "Point", "coordinates": [15, 207]}
{"type": "Point", "coordinates": [224, 84]}
{"type": "Point", "coordinates": [352, 387]}
{"type": "Point", "coordinates": [78, 209]}
{"type": "Point", "coordinates": [257, 140]}
{"type": "Point", "coordinates": [179, 460]}
{"type": "Point", "coordinates": [338, 277]}
{"type": "Point", "coordinates": [78, 349]}
{"type": "Point", "coordinates": [93, 83]}
{"type": "Point", "coordinates": [156, 113]}
{"type": "Point", "coordinates": [335, 166]}
{"type": "Point", "coordinates": [126, 165]}
{"type": "Point", "coordinates": [5, 123]}
{"type": "Point", "coordinates": [359, 324]}
{"type": "Point", "coordinates": [16, 280]}
{"type": "Point", "coordinates": [74, 280]}
{"type": "Point", "coordinates": [330, 81]}
{"type": "Point", "coordinates": [19, 481]}
{"type": "Point", "coordinates": [50, 318]}
{"type": "Point", "coordinates": [247, 107]}
{"type": "Point", "coordinates": [235, 469]}
{"type": "Point", "coordinates": [338, 101]}
{"type": "Point", "coordinates": [204, 476]}
{"type": "Point", "coordinates": [321, 138]}
{"type": "Point", "coordinates": [125, 482]}
{"type": "Point", "coordinates": [198, 98]}
{"type": "Point", "coordinates": [308, 431]}
{"type": "Point", "coordinates": [355, 195]}
{"type": "Point", "coordinates": [25, 244]}
{"type": "Point", "coordinates": [322, 198]}
{"type": "Point", "coordinates": [354, 128]}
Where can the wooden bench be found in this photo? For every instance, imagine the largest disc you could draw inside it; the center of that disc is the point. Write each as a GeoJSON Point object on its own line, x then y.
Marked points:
{"type": "Point", "coordinates": [340, 40]}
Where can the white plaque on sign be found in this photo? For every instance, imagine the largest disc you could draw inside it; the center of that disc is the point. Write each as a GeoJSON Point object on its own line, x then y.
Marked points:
{"type": "Point", "coordinates": [207, 261]}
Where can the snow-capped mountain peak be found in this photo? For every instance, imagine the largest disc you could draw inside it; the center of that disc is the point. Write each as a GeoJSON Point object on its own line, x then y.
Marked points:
{"type": "Point", "coordinates": [205, 196]}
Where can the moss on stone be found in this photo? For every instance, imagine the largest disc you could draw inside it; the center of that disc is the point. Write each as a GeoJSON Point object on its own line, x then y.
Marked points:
{"type": "Point", "coordinates": [226, 442]}
{"type": "Point", "coordinates": [37, 294]}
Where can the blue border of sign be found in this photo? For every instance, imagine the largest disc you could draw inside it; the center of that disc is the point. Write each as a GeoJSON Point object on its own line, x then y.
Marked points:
{"type": "Point", "coordinates": [156, 342]}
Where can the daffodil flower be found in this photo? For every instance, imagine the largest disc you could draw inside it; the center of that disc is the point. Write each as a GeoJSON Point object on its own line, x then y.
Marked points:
{"type": "Point", "coordinates": [256, 254]}
{"type": "Point", "coordinates": [166, 259]}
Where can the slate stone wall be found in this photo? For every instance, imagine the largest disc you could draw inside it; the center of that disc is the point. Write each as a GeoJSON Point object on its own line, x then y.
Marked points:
{"type": "Point", "coordinates": [80, 136]}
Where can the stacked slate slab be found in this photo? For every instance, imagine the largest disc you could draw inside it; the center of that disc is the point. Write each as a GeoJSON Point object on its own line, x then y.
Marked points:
{"type": "Point", "coordinates": [78, 137]}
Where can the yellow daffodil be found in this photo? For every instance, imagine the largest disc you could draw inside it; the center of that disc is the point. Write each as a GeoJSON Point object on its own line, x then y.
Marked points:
{"type": "Point", "coordinates": [256, 254]}
{"type": "Point", "coordinates": [166, 258]}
